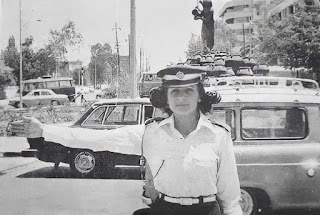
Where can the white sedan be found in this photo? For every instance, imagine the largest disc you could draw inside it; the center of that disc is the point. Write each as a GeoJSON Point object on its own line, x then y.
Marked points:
{"type": "Point", "coordinates": [40, 97]}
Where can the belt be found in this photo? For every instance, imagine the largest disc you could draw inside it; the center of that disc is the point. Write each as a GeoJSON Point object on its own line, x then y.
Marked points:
{"type": "Point", "coordinates": [188, 200]}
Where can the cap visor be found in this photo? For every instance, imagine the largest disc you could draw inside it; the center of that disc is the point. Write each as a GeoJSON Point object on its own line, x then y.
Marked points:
{"type": "Point", "coordinates": [180, 85]}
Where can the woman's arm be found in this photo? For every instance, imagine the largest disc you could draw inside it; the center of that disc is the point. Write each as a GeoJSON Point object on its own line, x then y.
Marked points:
{"type": "Point", "coordinates": [125, 140]}
{"type": "Point", "coordinates": [227, 179]}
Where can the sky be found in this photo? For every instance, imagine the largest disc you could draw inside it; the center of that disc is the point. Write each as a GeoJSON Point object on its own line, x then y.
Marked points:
{"type": "Point", "coordinates": [163, 28]}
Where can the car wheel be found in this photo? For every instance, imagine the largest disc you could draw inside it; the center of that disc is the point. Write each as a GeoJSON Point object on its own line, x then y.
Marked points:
{"type": "Point", "coordinates": [55, 103]}
{"type": "Point", "coordinates": [254, 202]}
{"type": "Point", "coordinates": [17, 105]}
{"type": "Point", "coordinates": [84, 163]}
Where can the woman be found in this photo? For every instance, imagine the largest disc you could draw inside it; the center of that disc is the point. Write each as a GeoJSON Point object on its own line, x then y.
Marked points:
{"type": "Point", "coordinates": [190, 164]}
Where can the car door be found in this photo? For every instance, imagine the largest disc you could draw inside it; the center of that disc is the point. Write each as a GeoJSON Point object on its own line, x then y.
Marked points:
{"type": "Point", "coordinates": [46, 98]}
{"type": "Point", "coordinates": [32, 98]}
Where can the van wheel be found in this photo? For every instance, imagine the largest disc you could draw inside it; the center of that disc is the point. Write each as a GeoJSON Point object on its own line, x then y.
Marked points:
{"type": "Point", "coordinates": [84, 163]}
{"type": "Point", "coordinates": [55, 103]}
{"type": "Point", "coordinates": [248, 203]}
{"type": "Point", "coordinates": [254, 202]}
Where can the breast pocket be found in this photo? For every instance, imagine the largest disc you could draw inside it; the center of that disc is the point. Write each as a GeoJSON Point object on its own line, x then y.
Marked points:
{"type": "Point", "coordinates": [203, 155]}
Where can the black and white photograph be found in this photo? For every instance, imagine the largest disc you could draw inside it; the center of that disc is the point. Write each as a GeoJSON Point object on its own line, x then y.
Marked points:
{"type": "Point", "coordinates": [145, 107]}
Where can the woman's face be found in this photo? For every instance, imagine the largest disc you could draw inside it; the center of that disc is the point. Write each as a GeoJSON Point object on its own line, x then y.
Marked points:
{"type": "Point", "coordinates": [183, 100]}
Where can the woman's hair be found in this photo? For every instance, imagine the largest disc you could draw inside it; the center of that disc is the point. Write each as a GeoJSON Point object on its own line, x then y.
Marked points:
{"type": "Point", "coordinates": [158, 98]}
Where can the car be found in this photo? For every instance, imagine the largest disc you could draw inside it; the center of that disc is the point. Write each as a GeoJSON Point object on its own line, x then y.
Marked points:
{"type": "Point", "coordinates": [230, 71]}
{"type": "Point", "coordinates": [106, 114]}
{"type": "Point", "coordinates": [39, 97]}
{"type": "Point", "coordinates": [244, 71]}
{"type": "Point", "coordinates": [276, 138]}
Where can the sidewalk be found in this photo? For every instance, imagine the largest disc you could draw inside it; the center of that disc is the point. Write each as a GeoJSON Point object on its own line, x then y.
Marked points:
{"type": "Point", "coordinates": [13, 145]}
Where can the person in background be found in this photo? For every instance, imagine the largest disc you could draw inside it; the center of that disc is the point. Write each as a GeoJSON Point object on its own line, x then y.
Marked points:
{"type": "Point", "coordinates": [190, 163]}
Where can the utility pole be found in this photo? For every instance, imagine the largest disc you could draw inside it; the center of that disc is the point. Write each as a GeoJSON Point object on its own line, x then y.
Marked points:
{"type": "Point", "coordinates": [244, 41]}
{"type": "Point", "coordinates": [118, 59]}
{"type": "Point", "coordinates": [132, 47]}
{"type": "Point", "coordinates": [21, 78]}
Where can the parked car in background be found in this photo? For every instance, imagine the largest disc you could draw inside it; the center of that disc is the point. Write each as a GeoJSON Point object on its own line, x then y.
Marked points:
{"type": "Point", "coordinates": [59, 85]}
{"type": "Point", "coordinates": [39, 97]}
{"type": "Point", "coordinates": [244, 71]}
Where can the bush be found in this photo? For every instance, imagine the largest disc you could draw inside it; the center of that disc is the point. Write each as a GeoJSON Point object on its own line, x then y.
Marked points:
{"type": "Point", "coordinates": [2, 94]}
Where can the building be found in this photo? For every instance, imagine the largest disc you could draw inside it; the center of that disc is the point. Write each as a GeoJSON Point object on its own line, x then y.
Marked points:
{"type": "Point", "coordinates": [241, 16]}
{"type": "Point", "coordinates": [284, 9]}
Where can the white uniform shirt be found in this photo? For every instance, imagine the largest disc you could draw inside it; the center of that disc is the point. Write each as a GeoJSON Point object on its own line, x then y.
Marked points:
{"type": "Point", "coordinates": [201, 164]}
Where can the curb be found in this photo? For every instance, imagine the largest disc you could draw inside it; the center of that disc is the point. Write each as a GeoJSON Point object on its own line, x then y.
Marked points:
{"type": "Point", "coordinates": [24, 153]}
{"type": "Point", "coordinates": [10, 154]}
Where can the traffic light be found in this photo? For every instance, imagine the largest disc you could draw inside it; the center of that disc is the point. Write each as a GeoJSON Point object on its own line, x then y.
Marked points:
{"type": "Point", "coordinates": [197, 13]}
{"type": "Point", "coordinates": [82, 71]}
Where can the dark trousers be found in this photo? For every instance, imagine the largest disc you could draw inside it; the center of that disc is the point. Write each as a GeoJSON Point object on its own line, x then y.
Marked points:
{"type": "Point", "coordinates": [161, 207]}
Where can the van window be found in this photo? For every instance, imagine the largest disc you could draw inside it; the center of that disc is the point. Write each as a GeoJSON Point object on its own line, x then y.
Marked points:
{"type": "Point", "coordinates": [39, 85]}
{"type": "Point", "coordinates": [273, 124]}
{"type": "Point", "coordinates": [66, 83]}
{"type": "Point", "coordinates": [52, 84]}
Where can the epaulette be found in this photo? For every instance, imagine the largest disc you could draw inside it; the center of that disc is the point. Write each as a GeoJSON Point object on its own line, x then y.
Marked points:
{"type": "Point", "coordinates": [222, 125]}
{"type": "Point", "coordinates": [155, 119]}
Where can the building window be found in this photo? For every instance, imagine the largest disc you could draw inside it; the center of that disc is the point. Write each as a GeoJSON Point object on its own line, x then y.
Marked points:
{"type": "Point", "coordinates": [242, 20]}
{"type": "Point", "coordinates": [230, 21]}
{"type": "Point", "coordinates": [309, 2]}
{"type": "Point", "coordinates": [291, 9]}
{"type": "Point", "coordinates": [280, 17]}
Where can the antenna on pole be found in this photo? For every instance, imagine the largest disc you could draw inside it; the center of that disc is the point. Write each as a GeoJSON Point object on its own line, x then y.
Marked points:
{"type": "Point", "coordinates": [116, 28]}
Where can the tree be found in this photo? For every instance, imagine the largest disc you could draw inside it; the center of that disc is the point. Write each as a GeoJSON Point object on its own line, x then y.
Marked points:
{"type": "Point", "coordinates": [11, 56]}
{"type": "Point", "coordinates": [195, 46]}
{"type": "Point", "coordinates": [62, 41]}
{"type": "Point", "coordinates": [225, 37]}
{"type": "Point", "coordinates": [297, 40]}
{"type": "Point", "coordinates": [102, 64]}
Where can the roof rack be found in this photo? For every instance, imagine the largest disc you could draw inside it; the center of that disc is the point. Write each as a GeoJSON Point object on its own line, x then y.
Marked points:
{"type": "Point", "coordinates": [261, 81]}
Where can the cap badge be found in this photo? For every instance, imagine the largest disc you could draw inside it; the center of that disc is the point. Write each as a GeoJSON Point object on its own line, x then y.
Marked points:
{"type": "Point", "coordinates": [180, 75]}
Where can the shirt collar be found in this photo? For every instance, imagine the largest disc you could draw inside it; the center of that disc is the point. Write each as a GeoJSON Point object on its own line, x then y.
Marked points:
{"type": "Point", "coordinates": [203, 121]}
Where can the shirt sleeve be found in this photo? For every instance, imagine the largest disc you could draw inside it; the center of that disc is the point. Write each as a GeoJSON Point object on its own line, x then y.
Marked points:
{"type": "Point", "coordinates": [228, 185]}
{"type": "Point", "coordinates": [125, 140]}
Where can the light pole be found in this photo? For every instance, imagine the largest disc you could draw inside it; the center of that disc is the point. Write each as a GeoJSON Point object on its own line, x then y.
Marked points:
{"type": "Point", "coordinates": [21, 78]}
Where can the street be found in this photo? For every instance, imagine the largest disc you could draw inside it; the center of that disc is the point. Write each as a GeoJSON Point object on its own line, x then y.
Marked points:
{"type": "Point", "coordinates": [28, 186]}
